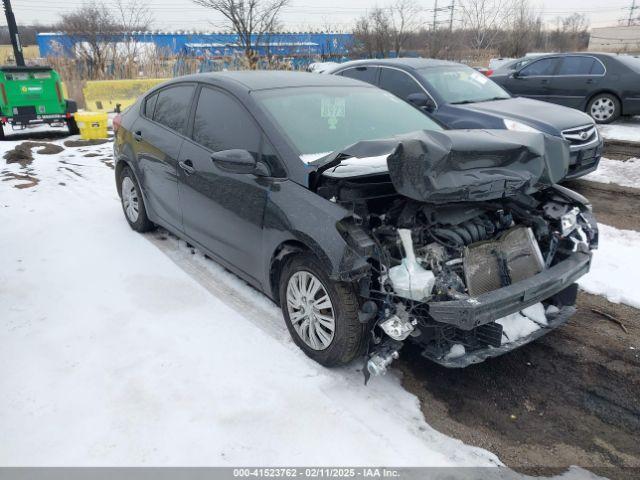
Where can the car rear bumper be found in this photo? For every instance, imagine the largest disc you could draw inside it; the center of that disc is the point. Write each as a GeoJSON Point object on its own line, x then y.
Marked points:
{"type": "Point", "coordinates": [478, 356]}
{"type": "Point", "coordinates": [472, 312]}
{"type": "Point", "coordinates": [30, 119]}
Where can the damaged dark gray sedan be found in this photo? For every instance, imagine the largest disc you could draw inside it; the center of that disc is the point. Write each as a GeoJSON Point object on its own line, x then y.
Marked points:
{"type": "Point", "coordinates": [365, 221]}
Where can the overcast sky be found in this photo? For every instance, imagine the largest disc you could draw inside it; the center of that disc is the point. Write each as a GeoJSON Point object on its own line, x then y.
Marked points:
{"type": "Point", "coordinates": [305, 14]}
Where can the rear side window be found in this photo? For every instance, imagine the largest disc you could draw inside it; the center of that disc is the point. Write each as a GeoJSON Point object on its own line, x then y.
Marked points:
{"type": "Point", "coordinates": [579, 65]}
{"type": "Point", "coordinates": [221, 123]}
{"type": "Point", "coordinates": [398, 83]}
{"type": "Point", "coordinates": [366, 74]}
{"type": "Point", "coordinates": [150, 105]}
{"type": "Point", "coordinates": [172, 107]}
{"type": "Point", "coordinates": [546, 66]}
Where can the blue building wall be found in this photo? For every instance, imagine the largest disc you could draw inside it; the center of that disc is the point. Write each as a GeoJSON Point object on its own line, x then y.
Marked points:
{"type": "Point", "coordinates": [215, 44]}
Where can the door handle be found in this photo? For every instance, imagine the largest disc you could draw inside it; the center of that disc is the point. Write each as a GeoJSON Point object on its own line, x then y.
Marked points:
{"type": "Point", "coordinates": [187, 166]}
{"type": "Point", "coordinates": [590, 80]}
{"type": "Point", "coordinates": [544, 81]}
{"type": "Point", "coordinates": [137, 136]}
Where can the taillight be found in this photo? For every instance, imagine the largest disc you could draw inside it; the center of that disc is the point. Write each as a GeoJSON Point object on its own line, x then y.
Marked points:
{"type": "Point", "coordinates": [117, 121]}
{"type": "Point", "coordinates": [58, 92]}
{"type": "Point", "coordinates": [4, 94]}
{"type": "Point", "coordinates": [488, 72]}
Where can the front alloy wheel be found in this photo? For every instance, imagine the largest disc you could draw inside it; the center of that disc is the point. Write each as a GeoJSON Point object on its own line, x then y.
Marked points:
{"type": "Point", "coordinates": [321, 314]}
{"type": "Point", "coordinates": [310, 310]}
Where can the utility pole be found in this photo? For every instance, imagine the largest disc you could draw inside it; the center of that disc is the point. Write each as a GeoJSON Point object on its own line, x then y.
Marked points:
{"type": "Point", "coordinates": [631, 10]}
{"type": "Point", "coordinates": [13, 33]}
{"type": "Point", "coordinates": [453, 5]}
{"type": "Point", "coordinates": [435, 14]}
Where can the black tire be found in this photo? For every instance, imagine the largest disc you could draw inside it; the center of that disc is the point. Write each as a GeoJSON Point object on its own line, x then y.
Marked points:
{"type": "Point", "coordinates": [604, 108]}
{"type": "Point", "coordinates": [349, 333]}
{"type": "Point", "coordinates": [141, 223]}
{"type": "Point", "coordinates": [1, 132]}
{"type": "Point", "coordinates": [72, 126]}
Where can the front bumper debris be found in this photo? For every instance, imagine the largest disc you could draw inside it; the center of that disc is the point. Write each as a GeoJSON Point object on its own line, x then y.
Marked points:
{"type": "Point", "coordinates": [472, 312]}
{"type": "Point", "coordinates": [478, 356]}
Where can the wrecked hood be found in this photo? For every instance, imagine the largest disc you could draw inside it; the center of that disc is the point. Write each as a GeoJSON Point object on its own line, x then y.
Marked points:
{"type": "Point", "coordinates": [457, 165]}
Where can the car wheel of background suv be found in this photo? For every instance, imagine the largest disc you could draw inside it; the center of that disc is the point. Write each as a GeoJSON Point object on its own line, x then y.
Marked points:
{"type": "Point", "coordinates": [321, 315]}
{"type": "Point", "coordinates": [133, 203]}
{"type": "Point", "coordinates": [604, 108]}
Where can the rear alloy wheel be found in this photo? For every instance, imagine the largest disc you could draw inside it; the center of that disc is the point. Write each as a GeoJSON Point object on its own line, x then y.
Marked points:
{"type": "Point", "coordinates": [133, 203]}
{"type": "Point", "coordinates": [321, 315]}
{"type": "Point", "coordinates": [604, 108]}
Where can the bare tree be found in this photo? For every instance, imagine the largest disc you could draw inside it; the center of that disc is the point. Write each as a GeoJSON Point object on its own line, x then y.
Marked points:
{"type": "Point", "coordinates": [91, 28]}
{"type": "Point", "coordinates": [524, 29]}
{"type": "Point", "coordinates": [373, 33]}
{"type": "Point", "coordinates": [251, 20]}
{"type": "Point", "coordinates": [404, 18]}
{"type": "Point", "coordinates": [484, 20]}
{"type": "Point", "coordinates": [132, 16]}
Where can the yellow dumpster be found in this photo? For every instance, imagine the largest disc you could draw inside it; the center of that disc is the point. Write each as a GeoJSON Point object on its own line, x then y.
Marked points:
{"type": "Point", "coordinates": [92, 125]}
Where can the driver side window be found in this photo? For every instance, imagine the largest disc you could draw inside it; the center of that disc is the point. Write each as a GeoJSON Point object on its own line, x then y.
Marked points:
{"type": "Point", "coordinates": [543, 67]}
{"type": "Point", "coordinates": [221, 123]}
{"type": "Point", "coordinates": [398, 83]}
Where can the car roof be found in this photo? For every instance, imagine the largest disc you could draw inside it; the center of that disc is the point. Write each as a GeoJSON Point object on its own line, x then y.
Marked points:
{"type": "Point", "coordinates": [402, 62]}
{"type": "Point", "coordinates": [252, 80]}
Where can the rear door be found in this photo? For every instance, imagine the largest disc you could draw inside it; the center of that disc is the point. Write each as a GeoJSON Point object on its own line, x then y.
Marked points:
{"type": "Point", "coordinates": [159, 133]}
{"type": "Point", "coordinates": [534, 80]}
{"type": "Point", "coordinates": [577, 77]}
{"type": "Point", "coordinates": [224, 211]}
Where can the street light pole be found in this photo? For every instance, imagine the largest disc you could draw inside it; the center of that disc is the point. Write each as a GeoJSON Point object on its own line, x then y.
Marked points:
{"type": "Point", "coordinates": [13, 33]}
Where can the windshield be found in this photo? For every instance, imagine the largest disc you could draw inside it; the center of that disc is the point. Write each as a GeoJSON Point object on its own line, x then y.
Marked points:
{"type": "Point", "coordinates": [459, 84]}
{"type": "Point", "coordinates": [320, 120]}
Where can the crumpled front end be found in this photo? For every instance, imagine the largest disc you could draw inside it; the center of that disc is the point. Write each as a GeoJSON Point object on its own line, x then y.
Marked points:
{"type": "Point", "coordinates": [474, 250]}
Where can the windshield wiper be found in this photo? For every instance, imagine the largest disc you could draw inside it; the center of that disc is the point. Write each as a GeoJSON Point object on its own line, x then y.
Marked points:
{"type": "Point", "coordinates": [462, 102]}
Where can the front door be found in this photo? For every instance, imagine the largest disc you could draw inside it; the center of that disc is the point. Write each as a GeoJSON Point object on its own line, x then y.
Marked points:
{"type": "Point", "coordinates": [534, 80]}
{"type": "Point", "coordinates": [223, 211]}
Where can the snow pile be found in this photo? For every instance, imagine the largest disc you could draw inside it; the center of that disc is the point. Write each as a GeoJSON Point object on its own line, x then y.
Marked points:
{"type": "Point", "coordinates": [623, 173]}
{"type": "Point", "coordinates": [359, 166]}
{"type": "Point", "coordinates": [615, 267]}
{"type": "Point", "coordinates": [124, 349]}
{"type": "Point", "coordinates": [457, 350]}
{"type": "Point", "coordinates": [629, 131]}
{"type": "Point", "coordinates": [523, 323]}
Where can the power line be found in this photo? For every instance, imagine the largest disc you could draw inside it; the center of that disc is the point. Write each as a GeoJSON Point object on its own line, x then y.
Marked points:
{"type": "Point", "coordinates": [632, 8]}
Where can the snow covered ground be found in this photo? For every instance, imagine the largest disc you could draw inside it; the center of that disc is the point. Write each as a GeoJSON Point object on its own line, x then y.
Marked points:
{"type": "Point", "coordinates": [625, 173]}
{"type": "Point", "coordinates": [615, 267]}
{"type": "Point", "coordinates": [624, 129]}
{"type": "Point", "coordinates": [112, 354]}
{"type": "Point", "coordinates": [124, 349]}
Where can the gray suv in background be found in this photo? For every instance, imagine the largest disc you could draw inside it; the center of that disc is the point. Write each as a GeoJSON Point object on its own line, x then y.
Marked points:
{"type": "Point", "coordinates": [460, 97]}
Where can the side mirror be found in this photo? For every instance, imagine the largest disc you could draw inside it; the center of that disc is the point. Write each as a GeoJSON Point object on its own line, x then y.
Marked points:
{"type": "Point", "coordinates": [516, 74]}
{"type": "Point", "coordinates": [235, 161]}
{"type": "Point", "coordinates": [422, 101]}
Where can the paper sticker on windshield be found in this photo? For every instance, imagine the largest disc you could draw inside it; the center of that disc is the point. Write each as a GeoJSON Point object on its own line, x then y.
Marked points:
{"type": "Point", "coordinates": [332, 108]}
{"type": "Point", "coordinates": [478, 77]}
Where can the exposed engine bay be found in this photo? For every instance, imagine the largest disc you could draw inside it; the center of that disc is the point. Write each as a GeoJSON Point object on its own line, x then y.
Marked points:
{"type": "Point", "coordinates": [453, 275]}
